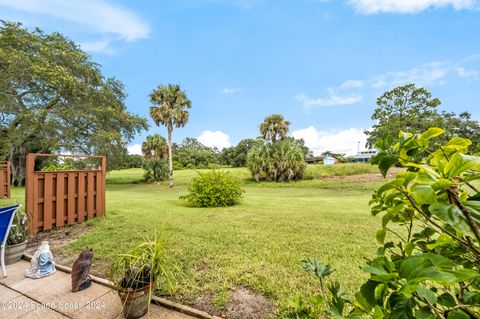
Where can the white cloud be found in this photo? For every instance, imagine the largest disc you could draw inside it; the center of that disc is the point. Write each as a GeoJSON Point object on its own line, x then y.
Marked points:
{"type": "Point", "coordinates": [100, 46]}
{"type": "Point", "coordinates": [331, 100]}
{"type": "Point", "coordinates": [231, 90]}
{"type": "Point", "coordinates": [352, 84]}
{"type": "Point", "coordinates": [135, 149]}
{"type": "Point", "coordinates": [216, 139]}
{"type": "Point", "coordinates": [98, 16]}
{"type": "Point", "coordinates": [338, 141]}
{"type": "Point", "coordinates": [462, 72]}
{"type": "Point", "coordinates": [433, 73]}
{"type": "Point", "coordinates": [407, 6]}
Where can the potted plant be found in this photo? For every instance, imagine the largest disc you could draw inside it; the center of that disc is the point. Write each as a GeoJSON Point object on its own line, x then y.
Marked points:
{"type": "Point", "coordinates": [137, 274]}
{"type": "Point", "coordinates": [17, 239]}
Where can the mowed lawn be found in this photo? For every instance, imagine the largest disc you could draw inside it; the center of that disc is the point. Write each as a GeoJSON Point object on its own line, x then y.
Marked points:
{"type": "Point", "coordinates": [257, 244]}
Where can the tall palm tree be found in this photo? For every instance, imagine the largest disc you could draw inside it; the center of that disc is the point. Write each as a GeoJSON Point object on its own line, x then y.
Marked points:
{"type": "Point", "coordinates": [274, 125]}
{"type": "Point", "coordinates": [170, 109]}
{"type": "Point", "coordinates": [155, 146]}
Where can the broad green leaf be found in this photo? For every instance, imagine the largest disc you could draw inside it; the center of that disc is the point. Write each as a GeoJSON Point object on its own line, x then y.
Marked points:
{"type": "Point", "coordinates": [380, 235]}
{"type": "Point", "coordinates": [424, 313]}
{"type": "Point", "coordinates": [459, 144]}
{"type": "Point", "coordinates": [427, 294]}
{"type": "Point", "coordinates": [452, 215]}
{"type": "Point", "coordinates": [458, 314]}
{"type": "Point", "coordinates": [401, 307]}
{"type": "Point", "coordinates": [378, 313]}
{"type": "Point", "coordinates": [460, 163]}
{"type": "Point", "coordinates": [441, 184]}
{"type": "Point", "coordinates": [432, 132]}
{"type": "Point", "coordinates": [472, 297]}
{"type": "Point", "coordinates": [436, 268]}
{"type": "Point", "coordinates": [442, 240]}
{"type": "Point", "coordinates": [386, 163]}
{"type": "Point", "coordinates": [409, 247]}
{"type": "Point", "coordinates": [424, 194]}
{"type": "Point", "coordinates": [368, 292]}
{"type": "Point", "coordinates": [446, 300]}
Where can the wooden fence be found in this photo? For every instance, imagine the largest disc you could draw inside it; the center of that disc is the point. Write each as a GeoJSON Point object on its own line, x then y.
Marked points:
{"type": "Point", "coordinates": [4, 179]}
{"type": "Point", "coordinates": [58, 198]}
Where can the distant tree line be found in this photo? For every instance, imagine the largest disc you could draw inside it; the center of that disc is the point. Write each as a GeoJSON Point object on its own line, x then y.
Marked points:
{"type": "Point", "coordinates": [412, 109]}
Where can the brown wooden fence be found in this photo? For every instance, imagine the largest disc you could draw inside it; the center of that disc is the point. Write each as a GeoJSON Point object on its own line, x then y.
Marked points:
{"type": "Point", "coordinates": [4, 179]}
{"type": "Point", "coordinates": [58, 198]}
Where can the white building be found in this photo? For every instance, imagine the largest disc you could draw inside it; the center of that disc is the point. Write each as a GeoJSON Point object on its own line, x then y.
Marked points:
{"type": "Point", "coordinates": [365, 156]}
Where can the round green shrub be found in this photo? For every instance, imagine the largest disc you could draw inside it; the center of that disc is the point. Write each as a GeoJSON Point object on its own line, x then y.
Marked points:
{"type": "Point", "coordinates": [156, 169]}
{"type": "Point", "coordinates": [214, 189]}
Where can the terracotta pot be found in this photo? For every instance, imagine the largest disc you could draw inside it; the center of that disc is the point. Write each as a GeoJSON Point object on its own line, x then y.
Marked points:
{"type": "Point", "coordinates": [136, 301]}
{"type": "Point", "coordinates": [13, 253]}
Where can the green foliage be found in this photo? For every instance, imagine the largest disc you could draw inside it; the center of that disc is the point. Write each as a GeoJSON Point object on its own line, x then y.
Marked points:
{"type": "Point", "coordinates": [156, 169]}
{"type": "Point", "coordinates": [432, 271]}
{"type": "Point", "coordinates": [155, 146]}
{"type": "Point", "coordinates": [214, 189]}
{"type": "Point", "coordinates": [411, 109]}
{"type": "Point", "coordinates": [282, 161]}
{"type": "Point", "coordinates": [53, 97]}
{"type": "Point", "coordinates": [236, 156]}
{"type": "Point", "coordinates": [274, 126]}
{"type": "Point", "coordinates": [132, 161]}
{"type": "Point", "coordinates": [144, 264]}
{"type": "Point", "coordinates": [170, 108]}
{"type": "Point", "coordinates": [193, 154]}
{"type": "Point", "coordinates": [155, 153]}
{"type": "Point", "coordinates": [19, 230]}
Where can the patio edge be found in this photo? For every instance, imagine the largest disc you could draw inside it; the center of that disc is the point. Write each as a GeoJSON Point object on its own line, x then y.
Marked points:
{"type": "Point", "coordinates": [156, 300]}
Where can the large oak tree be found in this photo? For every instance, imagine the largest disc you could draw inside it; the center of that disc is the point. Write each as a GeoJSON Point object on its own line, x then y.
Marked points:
{"type": "Point", "coordinates": [53, 97]}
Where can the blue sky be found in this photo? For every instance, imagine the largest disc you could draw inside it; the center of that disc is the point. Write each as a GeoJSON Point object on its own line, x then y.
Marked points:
{"type": "Point", "coordinates": [320, 63]}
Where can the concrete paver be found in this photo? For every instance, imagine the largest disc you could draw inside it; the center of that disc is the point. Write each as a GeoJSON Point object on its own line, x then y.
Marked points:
{"type": "Point", "coordinates": [51, 297]}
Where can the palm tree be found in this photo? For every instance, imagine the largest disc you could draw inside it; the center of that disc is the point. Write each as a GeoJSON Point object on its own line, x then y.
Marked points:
{"type": "Point", "coordinates": [170, 109]}
{"type": "Point", "coordinates": [155, 146]}
{"type": "Point", "coordinates": [274, 125]}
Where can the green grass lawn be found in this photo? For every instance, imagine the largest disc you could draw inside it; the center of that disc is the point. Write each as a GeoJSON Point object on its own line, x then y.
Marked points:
{"type": "Point", "coordinates": [257, 244]}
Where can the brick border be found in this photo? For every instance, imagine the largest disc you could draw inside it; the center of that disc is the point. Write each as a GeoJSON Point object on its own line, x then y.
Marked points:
{"type": "Point", "coordinates": [156, 300]}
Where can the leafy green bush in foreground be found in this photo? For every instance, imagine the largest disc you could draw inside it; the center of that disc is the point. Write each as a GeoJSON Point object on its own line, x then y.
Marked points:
{"type": "Point", "coordinates": [432, 268]}
{"type": "Point", "coordinates": [214, 189]}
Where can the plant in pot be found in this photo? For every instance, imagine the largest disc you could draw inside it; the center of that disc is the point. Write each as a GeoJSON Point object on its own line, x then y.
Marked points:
{"type": "Point", "coordinates": [17, 238]}
{"type": "Point", "coordinates": [137, 274]}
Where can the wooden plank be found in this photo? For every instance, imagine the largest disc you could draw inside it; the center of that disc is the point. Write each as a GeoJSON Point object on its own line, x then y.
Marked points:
{"type": "Point", "coordinates": [3, 190]}
{"type": "Point", "coordinates": [71, 207]}
{"type": "Point", "coordinates": [29, 176]}
{"type": "Point", "coordinates": [81, 197]}
{"type": "Point", "coordinates": [104, 174]}
{"type": "Point", "coordinates": [8, 179]}
{"type": "Point", "coordinates": [90, 191]}
{"type": "Point", "coordinates": [47, 201]}
{"type": "Point", "coordinates": [60, 200]}
{"type": "Point", "coordinates": [98, 194]}
{"type": "Point", "coordinates": [34, 196]}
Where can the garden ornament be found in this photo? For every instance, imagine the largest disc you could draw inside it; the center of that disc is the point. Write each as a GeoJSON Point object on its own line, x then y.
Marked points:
{"type": "Point", "coordinates": [81, 269]}
{"type": "Point", "coordinates": [42, 262]}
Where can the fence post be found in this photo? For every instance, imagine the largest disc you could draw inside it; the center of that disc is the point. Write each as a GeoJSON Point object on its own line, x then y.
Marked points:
{"type": "Point", "coordinates": [29, 174]}
{"type": "Point", "coordinates": [8, 178]}
{"type": "Point", "coordinates": [104, 186]}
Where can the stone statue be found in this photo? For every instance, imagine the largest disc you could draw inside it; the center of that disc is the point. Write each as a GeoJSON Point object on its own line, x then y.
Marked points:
{"type": "Point", "coordinates": [81, 269]}
{"type": "Point", "coordinates": [42, 262]}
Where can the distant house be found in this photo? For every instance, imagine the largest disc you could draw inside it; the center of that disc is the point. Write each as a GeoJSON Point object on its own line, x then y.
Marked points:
{"type": "Point", "coordinates": [330, 160]}
{"type": "Point", "coordinates": [365, 156]}
{"type": "Point", "coordinates": [314, 159]}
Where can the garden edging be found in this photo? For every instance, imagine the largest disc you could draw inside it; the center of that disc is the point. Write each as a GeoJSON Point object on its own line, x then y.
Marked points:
{"type": "Point", "coordinates": [156, 300]}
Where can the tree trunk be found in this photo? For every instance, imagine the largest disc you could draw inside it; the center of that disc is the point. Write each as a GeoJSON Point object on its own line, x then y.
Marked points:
{"type": "Point", "coordinates": [170, 157]}
{"type": "Point", "coordinates": [17, 160]}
